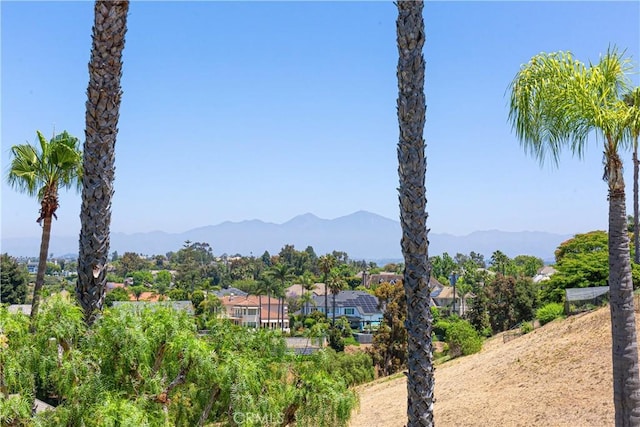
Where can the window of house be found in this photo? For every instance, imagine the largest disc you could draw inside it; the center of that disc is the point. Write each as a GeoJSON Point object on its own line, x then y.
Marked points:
{"type": "Point", "coordinates": [349, 311]}
{"type": "Point", "coordinates": [252, 311]}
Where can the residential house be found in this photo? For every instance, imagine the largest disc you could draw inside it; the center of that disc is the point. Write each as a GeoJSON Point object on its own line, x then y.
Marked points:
{"type": "Point", "coordinates": [544, 274]}
{"type": "Point", "coordinates": [177, 305]}
{"type": "Point", "coordinates": [144, 296]}
{"type": "Point", "coordinates": [253, 311]}
{"type": "Point", "coordinates": [229, 291]}
{"type": "Point", "coordinates": [359, 307]}
{"type": "Point", "coordinates": [20, 308]}
{"type": "Point", "coordinates": [112, 285]}
{"type": "Point", "coordinates": [443, 297]}
{"type": "Point", "coordinates": [32, 267]}
{"type": "Point", "coordinates": [296, 291]}
{"type": "Point", "coordinates": [382, 277]}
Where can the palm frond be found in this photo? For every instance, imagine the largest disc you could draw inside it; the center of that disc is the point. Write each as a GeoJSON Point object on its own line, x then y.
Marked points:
{"type": "Point", "coordinates": [557, 102]}
{"type": "Point", "coordinates": [41, 169]}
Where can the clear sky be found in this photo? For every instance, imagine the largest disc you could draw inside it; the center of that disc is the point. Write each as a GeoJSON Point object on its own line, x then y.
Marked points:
{"type": "Point", "coordinates": [267, 110]}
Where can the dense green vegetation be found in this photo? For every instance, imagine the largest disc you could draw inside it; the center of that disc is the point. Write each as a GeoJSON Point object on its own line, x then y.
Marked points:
{"type": "Point", "coordinates": [149, 366]}
{"type": "Point", "coordinates": [557, 103]}
{"type": "Point", "coordinates": [13, 281]}
{"type": "Point", "coordinates": [582, 261]}
{"type": "Point", "coordinates": [154, 368]}
{"type": "Point", "coordinates": [41, 171]}
{"type": "Point", "coordinates": [549, 312]}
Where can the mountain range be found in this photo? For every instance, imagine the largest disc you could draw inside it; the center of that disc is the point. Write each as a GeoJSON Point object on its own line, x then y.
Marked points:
{"type": "Point", "coordinates": [362, 235]}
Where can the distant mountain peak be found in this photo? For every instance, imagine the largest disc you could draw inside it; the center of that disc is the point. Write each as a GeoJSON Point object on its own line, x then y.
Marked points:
{"type": "Point", "coordinates": [305, 216]}
{"type": "Point", "coordinates": [361, 234]}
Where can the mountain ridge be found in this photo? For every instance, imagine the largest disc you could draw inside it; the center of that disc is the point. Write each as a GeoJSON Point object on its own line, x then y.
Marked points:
{"type": "Point", "coordinates": [362, 235]}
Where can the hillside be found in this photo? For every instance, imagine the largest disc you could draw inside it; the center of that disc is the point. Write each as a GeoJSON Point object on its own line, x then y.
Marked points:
{"type": "Point", "coordinates": [557, 375]}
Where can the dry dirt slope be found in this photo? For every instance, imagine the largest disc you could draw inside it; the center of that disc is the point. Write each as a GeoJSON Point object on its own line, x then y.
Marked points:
{"type": "Point", "coordinates": [557, 375]}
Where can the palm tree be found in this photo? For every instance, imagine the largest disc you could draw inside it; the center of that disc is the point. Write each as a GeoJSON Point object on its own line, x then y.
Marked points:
{"type": "Point", "coordinates": [268, 286]}
{"type": "Point", "coordinates": [307, 299]}
{"type": "Point", "coordinates": [41, 172]}
{"type": "Point", "coordinates": [413, 216]}
{"type": "Point", "coordinates": [336, 284]}
{"type": "Point", "coordinates": [103, 109]}
{"type": "Point", "coordinates": [260, 289]}
{"type": "Point", "coordinates": [632, 99]}
{"type": "Point", "coordinates": [326, 263]}
{"type": "Point", "coordinates": [308, 285]}
{"type": "Point", "coordinates": [499, 262]}
{"type": "Point", "coordinates": [556, 102]}
{"type": "Point", "coordinates": [281, 273]}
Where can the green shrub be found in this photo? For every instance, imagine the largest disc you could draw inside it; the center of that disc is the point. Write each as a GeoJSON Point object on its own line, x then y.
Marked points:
{"type": "Point", "coordinates": [351, 341]}
{"type": "Point", "coordinates": [435, 313]}
{"type": "Point", "coordinates": [549, 312]}
{"type": "Point", "coordinates": [526, 327]}
{"type": "Point", "coordinates": [118, 294]}
{"type": "Point", "coordinates": [354, 369]}
{"type": "Point", "coordinates": [336, 341]}
{"type": "Point", "coordinates": [462, 339]}
{"type": "Point", "coordinates": [309, 322]}
{"type": "Point", "coordinates": [440, 329]}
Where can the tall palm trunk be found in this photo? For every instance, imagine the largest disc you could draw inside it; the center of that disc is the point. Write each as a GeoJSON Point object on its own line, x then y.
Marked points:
{"type": "Point", "coordinates": [333, 310]}
{"type": "Point", "coordinates": [626, 379]}
{"type": "Point", "coordinates": [636, 209]}
{"type": "Point", "coordinates": [413, 216]}
{"type": "Point", "coordinates": [103, 109]}
{"type": "Point", "coordinates": [269, 310]}
{"type": "Point", "coordinates": [42, 266]}
{"type": "Point", "coordinates": [281, 307]}
{"type": "Point", "coordinates": [326, 300]}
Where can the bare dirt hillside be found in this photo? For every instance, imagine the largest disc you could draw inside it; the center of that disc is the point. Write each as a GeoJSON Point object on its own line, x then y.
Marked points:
{"type": "Point", "coordinates": [557, 375]}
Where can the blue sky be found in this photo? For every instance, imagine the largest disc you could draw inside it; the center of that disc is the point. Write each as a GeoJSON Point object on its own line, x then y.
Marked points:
{"type": "Point", "coordinates": [267, 110]}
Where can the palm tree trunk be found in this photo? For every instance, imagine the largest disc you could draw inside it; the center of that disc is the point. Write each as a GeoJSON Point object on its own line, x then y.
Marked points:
{"type": "Point", "coordinates": [279, 314]}
{"type": "Point", "coordinates": [412, 197]}
{"type": "Point", "coordinates": [636, 209]}
{"type": "Point", "coordinates": [326, 301]}
{"type": "Point", "coordinates": [281, 301]}
{"type": "Point", "coordinates": [103, 109]}
{"type": "Point", "coordinates": [333, 309]}
{"type": "Point", "coordinates": [42, 268]}
{"type": "Point", "coordinates": [626, 380]}
{"type": "Point", "coordinates": [269, 310]}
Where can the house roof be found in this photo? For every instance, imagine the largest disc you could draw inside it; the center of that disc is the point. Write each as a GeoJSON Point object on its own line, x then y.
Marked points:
{"type": "Point", "coordinates": [111, 286]}
{"type": "Point", "coordinates": [229, 291]}
{"type": "Point", "coordinates": [20, 308]}
{"type": "Point", "coordinates": [177, 305]}
{"type": "Point", "coordinates": [253, 301]}
{"type": "Point", "coordinates": [363, 301]}
{"type": "Point", "coordinates": [547, 270]}
{"type": "Point", "coordinates": [247, 300]}
{"type": "Point", "coordinates": [297, 290]}
{"type": "Point", "coordinates": [446, 292]}
{"type": "Point", "coordinates": [544, 273]}
{"type": "Point", "coordinates": [382, 277]}
{"type": "Point", "coordinates": [436, 287]}
{"type": "Point", "coordinates": [145, 296]}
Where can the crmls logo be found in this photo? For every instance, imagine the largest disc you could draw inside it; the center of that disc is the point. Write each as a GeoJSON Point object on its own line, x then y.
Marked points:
{"type": "Point", "coordinates": [242, 418]}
